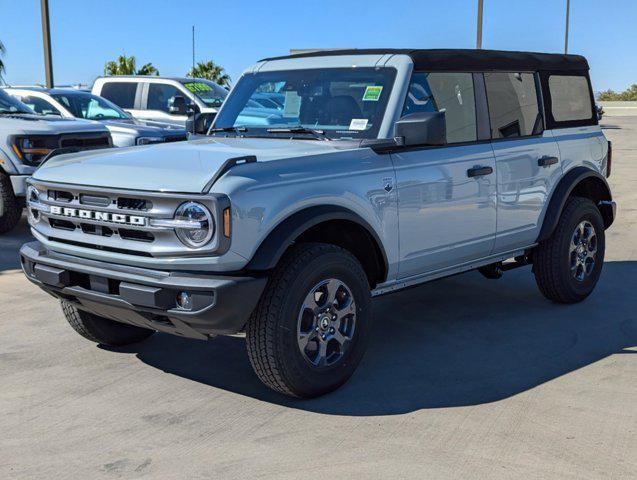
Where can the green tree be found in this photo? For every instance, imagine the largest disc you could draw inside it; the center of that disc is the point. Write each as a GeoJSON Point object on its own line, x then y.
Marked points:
{"type": "Point", "coordinates": [628, 95]}
{"type": "Point", "coordinates": [126, 66]}
{"type": "Point", "coordinates": [210, 71]}
{"type": "Point", "coordinates": [2, 52]}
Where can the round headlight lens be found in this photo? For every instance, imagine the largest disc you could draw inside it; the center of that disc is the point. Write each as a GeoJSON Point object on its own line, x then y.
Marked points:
{"type": "Point", "coordinates": [194, 237]}
{"type": "Point", "coordinates": [33, 196]}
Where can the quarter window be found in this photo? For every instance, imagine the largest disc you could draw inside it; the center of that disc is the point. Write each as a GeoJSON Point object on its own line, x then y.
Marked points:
{"type": "Point", "coordinates": [451, 93]}
{"type": "Point", "coordinates": [120, 93]}
{"type": "Point", "coordinates": [513, 105]}
{"type": "Point", "coordinates": [570, 98]}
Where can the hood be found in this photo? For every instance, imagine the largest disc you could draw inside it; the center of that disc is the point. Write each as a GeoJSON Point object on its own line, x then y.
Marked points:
{"type": "Point", "coordinates": [142, 129]}
{"type": "Point", "coordinates": [184, 167]}
{"type": "Point", "coordinates": [27, 123]}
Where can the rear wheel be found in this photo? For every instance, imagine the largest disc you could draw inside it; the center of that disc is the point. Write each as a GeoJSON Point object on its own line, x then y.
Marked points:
{"type": "Point", "coordinates": [568, 265]}
{"type": "Point", "coordinates": [10, 209]}
{"type": "Point", "coordinates": [309, 331]}
{"type": "Point", "coordinates": [102, 330]}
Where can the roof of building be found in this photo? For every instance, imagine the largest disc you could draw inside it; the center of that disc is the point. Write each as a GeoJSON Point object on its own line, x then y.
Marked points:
{"type": "Point", "coordinates": [466, 59]}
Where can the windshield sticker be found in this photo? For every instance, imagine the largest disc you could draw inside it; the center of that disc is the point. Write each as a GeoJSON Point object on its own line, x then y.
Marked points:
{"type": "Point", "coordinates": [291, 104]}
{"type": "Point", "coordinates": [358, 124]}
{"type": "Point", "coordinates": [197, 87]}
{"type": "Point", "coordinates": [372, 93]}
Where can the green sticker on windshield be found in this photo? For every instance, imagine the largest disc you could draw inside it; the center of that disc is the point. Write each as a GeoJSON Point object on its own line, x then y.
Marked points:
{"type": "Point", "coordinates": [372, 94]}
{"type": "Point", "coordinates": [196, 87]}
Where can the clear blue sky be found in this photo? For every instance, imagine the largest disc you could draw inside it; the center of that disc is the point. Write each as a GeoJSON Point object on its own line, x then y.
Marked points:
{"type": "Point", "coordinates": [87, 33]}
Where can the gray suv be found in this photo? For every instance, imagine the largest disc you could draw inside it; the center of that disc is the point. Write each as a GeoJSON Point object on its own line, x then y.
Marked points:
{"type": "Point", "coordinates": [380, 170]}
{"type": "Point", "coordinates": [26, 140]}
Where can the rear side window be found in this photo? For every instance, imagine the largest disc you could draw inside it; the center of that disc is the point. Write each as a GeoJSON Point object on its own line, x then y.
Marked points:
{"type": "Point", "coordinates": [451, 93]}
{"type": "Point", "coordinates": [120, 93]}
{"type": "Point", "coordinates": [570, 98]}
{"type": "Point", "coordinates": [513, 104]}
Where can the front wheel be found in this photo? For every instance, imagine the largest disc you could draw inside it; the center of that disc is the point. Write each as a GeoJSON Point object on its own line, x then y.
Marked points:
{"type": "Point", "coordinates": [568, 265]}
{"type": "Point", "coordinates": [309, 331]}
{"type": "Point", "coordinates": [10, 208]}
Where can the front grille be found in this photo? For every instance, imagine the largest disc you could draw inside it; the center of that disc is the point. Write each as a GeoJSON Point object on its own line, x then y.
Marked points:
{"type": "Point", "coordinates": [134, 204]}
{"type": "Point", "coordinates": [60, 196]}
{"type": "Point", "coordinates": [84, 140]}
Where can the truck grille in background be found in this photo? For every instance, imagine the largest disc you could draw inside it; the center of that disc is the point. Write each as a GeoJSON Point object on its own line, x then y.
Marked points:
{"type": "Point", "coordinates": [175, 138]}
{"type": "Point", "coordinates": [84, 140]}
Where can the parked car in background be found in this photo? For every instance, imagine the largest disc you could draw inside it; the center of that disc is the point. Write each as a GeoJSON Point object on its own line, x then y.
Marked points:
{"type": "Point", "coordinates": [385, 169]}
{"type": "Point", "coordinates": [26, 139]}
{"type": "Point", "coordinates": [72, 103]}
{"type": "Point", "coordinates": [162, 99]}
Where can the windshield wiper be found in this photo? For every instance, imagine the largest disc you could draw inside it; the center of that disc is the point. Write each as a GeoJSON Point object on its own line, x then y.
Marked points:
{"type": "Point", "coordinates": [229, 129]}
{"type": "Point", "coordinates": [320, 134]}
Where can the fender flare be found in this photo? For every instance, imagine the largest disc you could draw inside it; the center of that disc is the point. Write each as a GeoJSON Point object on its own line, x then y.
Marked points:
{"type": "Point", "coordinates": [283, 235]}
{"type": "Point", "coordinates": [562, 192]}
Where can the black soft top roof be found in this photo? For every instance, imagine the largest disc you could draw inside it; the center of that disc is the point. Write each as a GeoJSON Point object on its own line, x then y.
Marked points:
{"type": "Point", "coordinates": [468, 59]}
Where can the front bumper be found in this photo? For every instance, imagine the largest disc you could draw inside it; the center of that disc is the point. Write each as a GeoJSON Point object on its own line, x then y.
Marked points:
{"type": "Point", "coordinates": [144, 297]}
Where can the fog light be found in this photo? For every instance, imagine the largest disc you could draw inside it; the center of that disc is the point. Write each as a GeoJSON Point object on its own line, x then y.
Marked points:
{"type": "Point", "coordinates": [184, 301]}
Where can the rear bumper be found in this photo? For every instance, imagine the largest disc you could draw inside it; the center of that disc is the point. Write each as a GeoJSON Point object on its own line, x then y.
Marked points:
{"type": "Point", "coordinates": [144, 297]}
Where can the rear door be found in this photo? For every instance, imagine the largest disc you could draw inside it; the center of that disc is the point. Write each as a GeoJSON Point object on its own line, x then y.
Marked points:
{"type": "Point", "coordinates": [446, 195]}
{"type": "Point", "coordinates": [527, 157]}
{"type": "Point", "coordinates": [124, 94]}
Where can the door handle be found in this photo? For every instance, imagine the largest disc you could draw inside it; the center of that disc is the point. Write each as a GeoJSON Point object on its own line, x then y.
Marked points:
{"type": "Point", "coordinates": [479, 171]}
{"type": "Point", "coordinates": [546, 161]}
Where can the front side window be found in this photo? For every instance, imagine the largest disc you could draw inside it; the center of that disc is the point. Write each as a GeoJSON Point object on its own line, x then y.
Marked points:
{"type": "Point", "coordinates": [451, 93]}
{"type": "Point", "coordinates": [91, 107]}
{"type": "Point", "coordinates": [211, 94]}
{"type": "Point", "coordinates": [570, 98]}
{"type": "Point", "coordinates": [341, 102]}
{"type": "Point", "coordinates": [161, 95]}
{"type": "Point", "coordinates": [121, 94]}
{"type": "Point", "coordinates": [39, 105]}
{"type": "Point", "coordinates": [513, 104]}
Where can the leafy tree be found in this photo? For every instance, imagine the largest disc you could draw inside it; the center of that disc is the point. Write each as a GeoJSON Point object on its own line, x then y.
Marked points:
{"type": "Point", "coordinates": [2, 51]}
{"type": "Point", "coordinates": [210, 71]}
{"type": "Point", "coordinates": [126, 66]}
{"type": "Point", "coordinates": [630, 94]}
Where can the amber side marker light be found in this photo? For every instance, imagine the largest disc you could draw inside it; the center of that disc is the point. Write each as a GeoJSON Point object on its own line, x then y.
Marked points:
{"type": "Point", "coordinates": [226, 222]}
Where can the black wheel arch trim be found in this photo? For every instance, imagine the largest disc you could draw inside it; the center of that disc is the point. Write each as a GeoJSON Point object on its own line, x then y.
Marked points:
{"type": "Point", "coordinates": [283, 235]}
{"type": "Point", "coordinates": [560, 195]}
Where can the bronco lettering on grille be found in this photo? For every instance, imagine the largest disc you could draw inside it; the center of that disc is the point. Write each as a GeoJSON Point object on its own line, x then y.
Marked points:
{"type": "Point", "coordinates": [98, 216]}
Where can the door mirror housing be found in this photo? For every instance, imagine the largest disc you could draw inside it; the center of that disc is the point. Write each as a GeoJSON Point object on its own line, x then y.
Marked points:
{"type": "Point", "coordinates": [199, 123]}
{"type": "Point", "coordinates": [178, 105]}
{"type": "Point", "coordinates": [422, 128]}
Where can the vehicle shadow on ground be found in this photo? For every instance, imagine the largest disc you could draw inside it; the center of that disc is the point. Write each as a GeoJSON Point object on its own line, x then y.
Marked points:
{"type": "Point", "coordinates": [10, 244]}
{"type": "Point", "coordinates": [460, 341]}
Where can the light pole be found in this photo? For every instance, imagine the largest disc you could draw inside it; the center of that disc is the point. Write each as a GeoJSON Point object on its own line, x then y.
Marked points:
{"type": "Point", "coordinates": [46, 40]}
{"type": "Point", "coordinates": [479, 37]}
{"type": "Point", "coordinates": [568, 8]}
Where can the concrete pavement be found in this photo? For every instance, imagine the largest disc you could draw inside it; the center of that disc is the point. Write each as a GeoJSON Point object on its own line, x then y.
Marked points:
{"type": "Point", "coordinates": [464, 378]}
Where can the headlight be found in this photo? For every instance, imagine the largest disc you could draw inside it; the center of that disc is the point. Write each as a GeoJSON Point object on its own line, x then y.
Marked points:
{"type": "Point", "coordinates": [195, 236]}
{"type": "Point", "coordinates": [33, 196]}
{"type": "Point", "coordinates": [32, 149]}
{"type": "Point", "coordinates": [149, 140]}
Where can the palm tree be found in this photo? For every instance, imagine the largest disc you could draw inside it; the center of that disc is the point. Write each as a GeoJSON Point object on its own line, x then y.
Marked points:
{"type": "Point", "coordinates": [211, 71]}
{"type": "Point", "coordinates": [126, 66]}
{"type": "Point", "coordinates": [2, 51]}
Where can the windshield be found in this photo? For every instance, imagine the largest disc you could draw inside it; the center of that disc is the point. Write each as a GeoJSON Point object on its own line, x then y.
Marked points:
{"type": "Point", "coordinates": [211, 94]}
{"type": "Point", "coordinates": [341, 102]}
{"type": "Point", "coordinates": [8, 104]}
{"type": "Point", "coordinates": [91, 107]}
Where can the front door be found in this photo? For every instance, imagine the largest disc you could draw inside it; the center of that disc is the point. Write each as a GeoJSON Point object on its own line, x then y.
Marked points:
{"type": "Point", "coordinates": [446, 195]}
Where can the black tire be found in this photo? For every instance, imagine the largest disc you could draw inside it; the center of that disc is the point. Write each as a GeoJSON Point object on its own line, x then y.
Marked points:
{"type": "Point", "coordinates": [552, 257]}
{"type": "Point", "coordinates": [271, 334]}
{"type": "Point", "coordinates": [102, 330]}
{"type": "Point", "coordinates": [9, 205]}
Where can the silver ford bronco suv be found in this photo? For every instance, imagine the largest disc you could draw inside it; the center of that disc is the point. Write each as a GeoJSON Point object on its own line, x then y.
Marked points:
{"type": "Point", "coordinates": [365, 172]}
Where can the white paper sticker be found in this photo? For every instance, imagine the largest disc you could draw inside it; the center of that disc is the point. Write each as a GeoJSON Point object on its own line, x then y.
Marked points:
{"type": "Point", "coordinates": [358, 124]}
{"type": "Point", "coordinates": [292, 104]}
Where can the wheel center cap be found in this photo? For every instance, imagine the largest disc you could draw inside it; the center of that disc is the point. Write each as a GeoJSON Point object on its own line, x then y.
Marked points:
{"type": "Point", "coordinates": [324, 322]}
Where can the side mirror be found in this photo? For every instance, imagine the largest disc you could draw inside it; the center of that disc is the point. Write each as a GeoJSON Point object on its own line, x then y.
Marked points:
{"type": "Point", "coordinates": [199, 123]}
{"type": "Point", "coordinates": [422, 128]}
{"type": "Point", "coordinates": [600, 112]}
{"type": "Point", "coordinates": [178, 106]}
